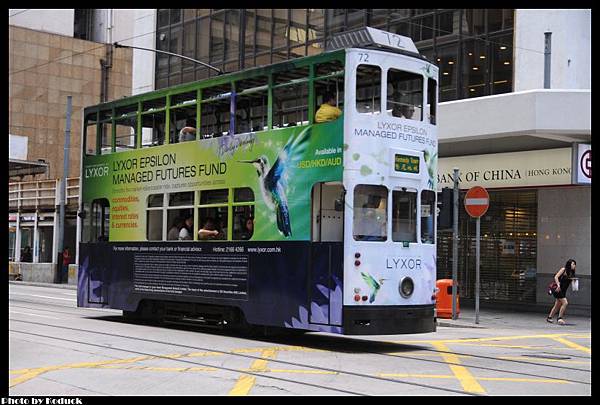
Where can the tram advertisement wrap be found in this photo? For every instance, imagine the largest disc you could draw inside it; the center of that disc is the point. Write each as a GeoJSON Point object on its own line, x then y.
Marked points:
{"type": "Point", "coordinates": [267, 280]}
{"type": "Point", "coordinates": [280, 166]}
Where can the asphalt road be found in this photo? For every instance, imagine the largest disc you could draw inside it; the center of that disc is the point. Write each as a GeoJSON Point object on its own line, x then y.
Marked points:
{"type": "Point", "coordinates": [58, 349]}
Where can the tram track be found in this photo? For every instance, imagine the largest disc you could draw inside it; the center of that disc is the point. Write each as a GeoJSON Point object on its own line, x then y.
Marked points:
{"type": "Point", "coordinates": [319, 368]}
{"type": "Point", "coordinates": [362, 346]}
{"type": "Point", "coordinates": [256, 374]}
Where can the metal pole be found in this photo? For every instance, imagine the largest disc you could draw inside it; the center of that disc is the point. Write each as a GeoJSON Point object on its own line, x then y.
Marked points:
{"type": "Point", "coordinates": [547, 53]}
{"type": "Point", "coordinates": [455, 244]}
{"type": "Point", "coordinates": [63, 186]}
{"type": "Point", "coordinates": [477, 236]}
{"type": "Point", "coordinates": [219, 71]}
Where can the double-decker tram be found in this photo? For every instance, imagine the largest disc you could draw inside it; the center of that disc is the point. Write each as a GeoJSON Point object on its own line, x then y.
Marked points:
{"type": "Point", "coordinates": [297, 195]}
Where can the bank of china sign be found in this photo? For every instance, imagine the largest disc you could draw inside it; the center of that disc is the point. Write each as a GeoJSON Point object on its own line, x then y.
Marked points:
{"type": "Point", "coordinates": [549, 167]}
{"type": "Point", "coordinates": [582, 163]}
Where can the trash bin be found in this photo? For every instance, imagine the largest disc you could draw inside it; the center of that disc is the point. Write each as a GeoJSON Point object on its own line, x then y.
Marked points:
{"type": "Point", "coordinates": [443, 299]}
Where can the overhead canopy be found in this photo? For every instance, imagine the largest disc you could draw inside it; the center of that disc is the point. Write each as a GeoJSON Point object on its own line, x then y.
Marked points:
{"type": "Point", "coordinates": [18, 168]}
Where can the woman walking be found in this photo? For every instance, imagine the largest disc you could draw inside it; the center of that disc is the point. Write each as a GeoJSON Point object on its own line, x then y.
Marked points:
{"type": "Point", "coordinates": [563, 280]}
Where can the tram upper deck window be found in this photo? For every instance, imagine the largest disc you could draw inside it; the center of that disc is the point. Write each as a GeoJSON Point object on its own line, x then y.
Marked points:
{"type": "Point", "coordinates": [432, 99]}
{"type": "Point", "coordinates": [405, 95]}
{"type": "Point", "coordinates": [370, 213]}
{"type": "Point", "coordinates": [368, 89]}
{"type": "Point", "coordinates": [404, 215]}
{"type": "Point", "coordinates": [91, 134]}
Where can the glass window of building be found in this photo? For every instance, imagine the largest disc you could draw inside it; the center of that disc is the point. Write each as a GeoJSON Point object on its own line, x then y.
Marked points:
{"type": "Point", "coordinates": [234, 39]}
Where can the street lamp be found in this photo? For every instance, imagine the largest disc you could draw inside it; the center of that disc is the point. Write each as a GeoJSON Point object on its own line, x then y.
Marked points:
{"type": "Point", "coordinates": [219, 71]}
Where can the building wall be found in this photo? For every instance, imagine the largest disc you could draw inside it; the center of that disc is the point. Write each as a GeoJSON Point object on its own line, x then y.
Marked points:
{"type": "Point", "coordinates": [143, 61]}
{"type": "Point", "coordinates": [570, 49]}
{"type": "Point", "coordinates": [43, 70]}
{"type": "Point", "coordinates": [564, 230]}
{"type": "Point", "coordinates": [57, 21]}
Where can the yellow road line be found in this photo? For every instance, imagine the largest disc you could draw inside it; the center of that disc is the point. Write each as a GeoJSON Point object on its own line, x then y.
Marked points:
{"type": "Point", "coordinates": [246, 382]}
{"type": "Point", "coordinates": [34, 372]}
{"type": "Point", "coordinates": [466, 379]}
{"type": "Point", "coordinates": [573, 345]}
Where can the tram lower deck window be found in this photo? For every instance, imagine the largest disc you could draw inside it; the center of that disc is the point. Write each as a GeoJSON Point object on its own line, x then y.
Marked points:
{"type": "Point", "coordinates": [370, 213]}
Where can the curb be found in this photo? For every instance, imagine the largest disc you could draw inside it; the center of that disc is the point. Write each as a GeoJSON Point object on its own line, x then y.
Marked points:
{"type": "Point", "coordinates": [460, 325]}
{"type": "Point", "coordinates": [31, 283]}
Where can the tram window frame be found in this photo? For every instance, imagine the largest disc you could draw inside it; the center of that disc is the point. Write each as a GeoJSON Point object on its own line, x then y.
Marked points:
{"type": "Point", "coordinates": [428, 233]}
{"type": "Point", "coordinates": [329, 78]}
{"type": "Point", "coordinates": [405, 95]}
{"type": "Point", "coordinates": [370, 213]}
{"type": "Point", "coordinates": [99, 220]}
{"type": "Point", "coordinates": [106, 132]}
{"type": "Point", "coordinates": [211, 204]}
{"type": "Point", "coordinates": [180, 205]}
{"type": "Point", "coordinates": [91, 134]}
{"type": "Point", "coordinates": [251, 104]}
{"type": "Point", "coordinates": [127, 122]}
{"type": "Point", "coordinates": [398, 234]}
{"type": "Point", "coordinates": [154, 206]}
{"type": "Point", "coordinates": [215, 115]}
{"type": "Point", "coordinates": [242, 208]}
{"type": "Point", "coordinates": [180, 117]}
{"type": "Point", "coordinates": [368, 102]}
{"type": "Point", "coordinates": [432, 94]}
{"type": "Point", "coordinates": [156, 130]}
{"type": "Point", "coordinates": [290, 97]}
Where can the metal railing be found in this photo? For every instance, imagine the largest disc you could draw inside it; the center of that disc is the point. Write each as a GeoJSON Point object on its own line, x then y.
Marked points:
{"type": "Point", "coordinates": [40, 194]}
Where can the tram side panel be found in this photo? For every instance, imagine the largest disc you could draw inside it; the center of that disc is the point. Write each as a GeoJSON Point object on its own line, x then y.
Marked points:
{"type": "Point", "coordinates": [290, 284]}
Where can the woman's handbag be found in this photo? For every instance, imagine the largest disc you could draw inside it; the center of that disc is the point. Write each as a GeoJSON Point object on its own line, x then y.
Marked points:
{"type": "Point", "coordinates": [552, 288]}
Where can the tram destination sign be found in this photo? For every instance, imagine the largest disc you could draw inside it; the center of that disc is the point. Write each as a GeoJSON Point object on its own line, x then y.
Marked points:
{"type": "Point", "coordinates": [406, 163]}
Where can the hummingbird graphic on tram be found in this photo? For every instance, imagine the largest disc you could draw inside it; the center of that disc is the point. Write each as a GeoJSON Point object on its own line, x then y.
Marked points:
{"type": "Point", "coordinates": [273, 180]}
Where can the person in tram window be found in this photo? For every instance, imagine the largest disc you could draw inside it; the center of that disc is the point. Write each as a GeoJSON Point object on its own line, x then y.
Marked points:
{"type": "Point", "coordinates": [188, 132]}
{"type": "Point", "coordinates": [208, 230]}
{"type": "Point", "coordinates": [408, 110]}
{"type": "Point", "coordinates": [248, 229]}
{"type": "Point", "coordinates": [563, 280]}
{"type": "Point", "coordinates": [173, 233]}
{"type": "Point", "coordinates": [185, 233]}
{"type": "Point", "coordinates": [328, 111]}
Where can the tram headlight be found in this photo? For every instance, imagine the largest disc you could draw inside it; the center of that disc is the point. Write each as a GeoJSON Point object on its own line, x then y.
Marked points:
{"type": "Point", "coordinates": [406, 287]}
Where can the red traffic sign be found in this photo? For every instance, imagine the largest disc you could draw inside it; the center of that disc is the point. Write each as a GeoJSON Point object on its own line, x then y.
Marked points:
{"type": "Point", "coordinates": [477, 201]}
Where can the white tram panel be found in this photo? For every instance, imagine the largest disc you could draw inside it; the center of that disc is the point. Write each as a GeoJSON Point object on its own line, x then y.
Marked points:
{"type": "Point", "coordinates": [371, 142]}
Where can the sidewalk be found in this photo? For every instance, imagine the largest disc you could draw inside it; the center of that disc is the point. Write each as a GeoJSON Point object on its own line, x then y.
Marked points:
{"type": "Point", "coordinates": [507, 319]}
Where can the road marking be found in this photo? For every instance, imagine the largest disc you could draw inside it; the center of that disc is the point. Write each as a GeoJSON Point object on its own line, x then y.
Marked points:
{"type": "Point", "coordinates": [542, 359]}
{"type": "Point", "coordinates": [532, 380]}
{"type": "Point", "coordinates": [573, 345]}
{"type": "Point", "coordinates": [43, 296]}
{"type": "Point", "coordinates": [488, 339]}
{"type": "Point", "coordinates": [466, 379]}
{"type": "Point", "coordinates": [246, 382]}
{"type": "Point", "coordinates": [30, 314]}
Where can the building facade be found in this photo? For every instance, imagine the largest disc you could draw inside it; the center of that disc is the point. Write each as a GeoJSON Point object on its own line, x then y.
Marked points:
{"type": "Point", "coordinates": [47, 63]}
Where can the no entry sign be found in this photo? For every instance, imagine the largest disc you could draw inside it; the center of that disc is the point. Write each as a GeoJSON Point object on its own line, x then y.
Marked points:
{"type": "Point", "coordinates": [477, 201]}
